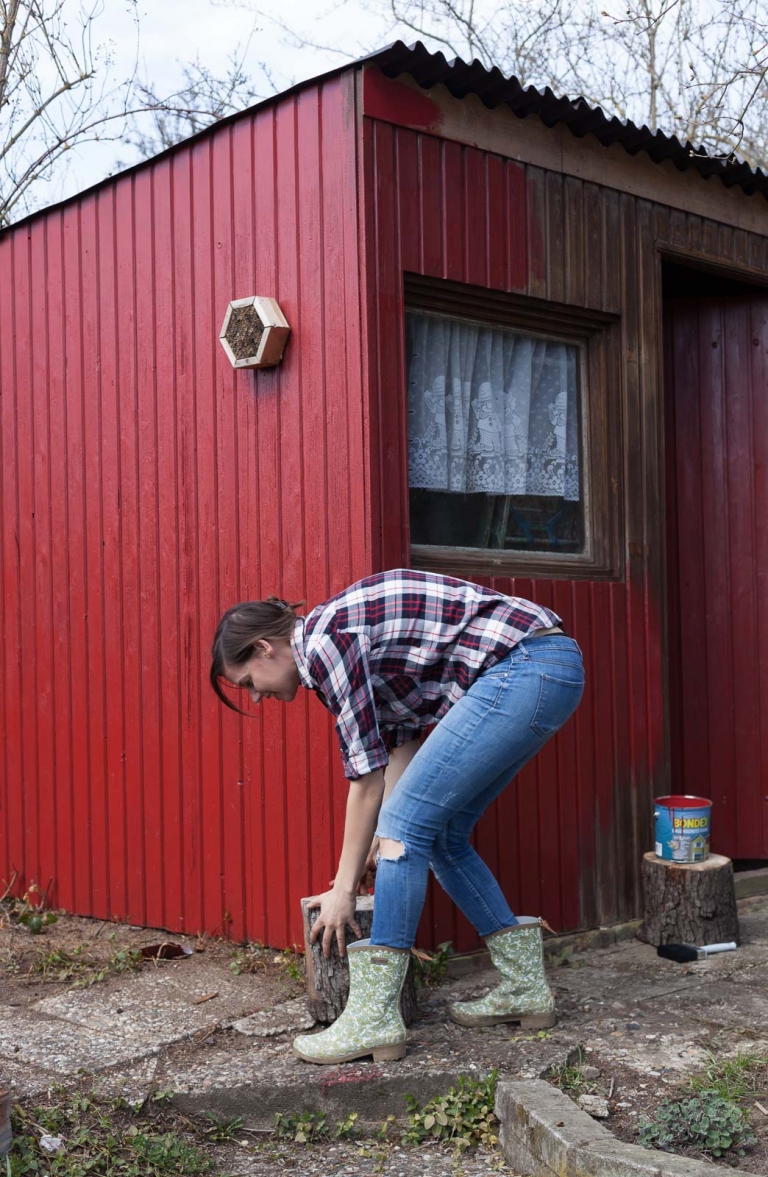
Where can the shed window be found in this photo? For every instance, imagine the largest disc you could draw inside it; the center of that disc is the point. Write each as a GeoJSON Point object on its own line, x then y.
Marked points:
{"type": "Point", "coordinates": [494, 437]}
{"type": "Point", "coordinates": [515, 451]}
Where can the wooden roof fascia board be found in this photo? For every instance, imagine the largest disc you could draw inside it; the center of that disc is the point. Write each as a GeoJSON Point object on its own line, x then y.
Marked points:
{"type": "Point", "coordinates": [527, 140]}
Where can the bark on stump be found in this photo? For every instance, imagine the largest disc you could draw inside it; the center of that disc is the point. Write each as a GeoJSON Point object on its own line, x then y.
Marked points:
{"type": "Point", "coordinates": [328, 980]}
{"type": "Point", "coordinates": [688, 903]}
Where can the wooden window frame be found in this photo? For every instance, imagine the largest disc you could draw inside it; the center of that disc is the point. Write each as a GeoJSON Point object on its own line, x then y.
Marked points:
{"type": "Point", "coordinates": [599, 336]}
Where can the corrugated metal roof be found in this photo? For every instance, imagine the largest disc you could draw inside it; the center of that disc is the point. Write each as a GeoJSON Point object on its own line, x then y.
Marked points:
{"type": "Point", "coordinates": [494, 89]}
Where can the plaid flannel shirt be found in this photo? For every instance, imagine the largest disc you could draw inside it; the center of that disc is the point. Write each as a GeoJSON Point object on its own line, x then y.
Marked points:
{"type": "Point", "coordinates": [391, 654]}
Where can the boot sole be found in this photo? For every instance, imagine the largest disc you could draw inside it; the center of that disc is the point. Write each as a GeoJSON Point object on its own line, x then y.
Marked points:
{"type": "Point", "coordinates": [381, 1054]}
{"type": "Point", "coordinates": [525, 1021]}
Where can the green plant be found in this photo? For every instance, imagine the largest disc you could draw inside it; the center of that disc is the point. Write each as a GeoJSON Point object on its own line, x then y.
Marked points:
{"type": "Point", "coordinates": [223, 1130]}
{"type": "Point", "coordinates": [715, 1125]}
{"type": "Point", "coordinates": [79, 965]}
{"type": "Point", "coordinates": [570, 1078]}
{"type": "Point", "coordinates": [307, 1127]}
{"type": "Point", "coordinates": [254, 958]}
{"type": "Point", "coordinates": [431, 967]}
{"type": "Point", "coordinates": [291, 964]}
{"type": "Point", "coordinates": [28, 910]}
{"type": "Point", "coordinates": [60, 965]}
{"type": "Point", "coordinates": [346, 1128]}
{"type": "Point", "coordinates": [737, 1079]}
{"type": "Point", "coordinates": [251, 958]}
{"type": "Point", "coordinates": [303, 1127]}
{"type": "Point", "coordinates": [384, 1130]}
{"type": "Point", "coordinates": [98, 1141]}
{"type": "Point", "coordinates": [463, 1117]}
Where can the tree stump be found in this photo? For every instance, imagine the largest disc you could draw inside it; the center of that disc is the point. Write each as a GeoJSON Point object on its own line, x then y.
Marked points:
{"type": "Point", "coordinates": [328, 980]}
{"type": "Point", "coordinates": [688, 903]}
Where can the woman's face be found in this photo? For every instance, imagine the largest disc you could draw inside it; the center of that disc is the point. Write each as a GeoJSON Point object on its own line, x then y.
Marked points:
{"type": "Point", "coordinates": [270, 674]}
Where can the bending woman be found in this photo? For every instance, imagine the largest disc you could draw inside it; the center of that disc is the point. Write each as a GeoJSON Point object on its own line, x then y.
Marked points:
{"type": "Point", "coordinates": [389, 656]}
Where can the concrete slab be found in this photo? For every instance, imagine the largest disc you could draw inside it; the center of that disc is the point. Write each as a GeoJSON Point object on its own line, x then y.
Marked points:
{"type": "Point", "coordinates": [158, 1006]}
{"type": "Point", "coordinates": [266, 1077]}
{"type": "Point", "coordinates": [63, 1049]}
{"type": "Point", "coordinates": [133, 1084]}
{"type": "Point", "coordinates": [289, 1017]}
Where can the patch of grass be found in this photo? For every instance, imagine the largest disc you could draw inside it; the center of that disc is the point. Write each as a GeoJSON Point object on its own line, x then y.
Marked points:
{"type": "Point", "coordinates": [463, 1117]}
{"type": "Point", "coordinates": [570, 1079]}
{"type": "Point", "coordinates": [715, 1125]}
{"type": "Point", "coordinates": [221, 1130]}
{"type": "Point", "coordinates": [97, 1141]}
{"type": "Point", "coordinates": [738, 1079]}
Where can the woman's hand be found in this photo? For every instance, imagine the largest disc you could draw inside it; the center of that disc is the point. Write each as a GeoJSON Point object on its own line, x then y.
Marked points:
{"type": "Point", "coordinates": [337, 911]}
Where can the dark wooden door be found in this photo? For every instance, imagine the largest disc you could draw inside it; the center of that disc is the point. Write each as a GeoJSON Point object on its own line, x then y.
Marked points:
{"type": "Point", "coordinates": [716, 383]}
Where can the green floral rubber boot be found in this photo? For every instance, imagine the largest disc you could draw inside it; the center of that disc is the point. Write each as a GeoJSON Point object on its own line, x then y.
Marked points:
{"type": "Point", "coordinates": [371, 1022]}
{"type": "Point", "coordinates": [523, 995]}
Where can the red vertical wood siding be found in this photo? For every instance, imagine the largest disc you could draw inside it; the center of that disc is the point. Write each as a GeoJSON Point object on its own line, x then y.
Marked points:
{"type": "Point", "coordinates": [567, 838]}
{"type": "Point", "coordinates": [145, 487]}
{"type": "Point", "coordinates": [716, 451]}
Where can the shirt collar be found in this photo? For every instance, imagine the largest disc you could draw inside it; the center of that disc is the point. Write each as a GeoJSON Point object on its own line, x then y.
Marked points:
{"type": "Point", "coordinates": [297, 646]}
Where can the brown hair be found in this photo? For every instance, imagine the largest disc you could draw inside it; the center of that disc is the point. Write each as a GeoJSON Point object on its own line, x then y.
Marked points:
{"type": "Point", "coordinates": [242, 626]}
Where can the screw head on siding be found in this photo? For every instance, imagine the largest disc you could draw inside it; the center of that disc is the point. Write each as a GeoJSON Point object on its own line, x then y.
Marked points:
{"type": "Point", "coordinates": [254, 332]}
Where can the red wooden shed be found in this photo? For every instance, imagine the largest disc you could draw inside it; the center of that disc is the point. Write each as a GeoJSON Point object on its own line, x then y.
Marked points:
{"type": "Point", "coordinates": [405, 212]}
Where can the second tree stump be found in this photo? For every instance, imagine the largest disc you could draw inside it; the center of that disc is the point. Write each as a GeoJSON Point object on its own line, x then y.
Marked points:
{"type": "Point", "coordinates": [328, 979]}
{"type": "Point", "coordinates": [688, 903]}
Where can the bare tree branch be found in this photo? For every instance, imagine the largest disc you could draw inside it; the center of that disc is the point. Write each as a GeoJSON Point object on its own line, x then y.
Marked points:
{"type": "Point", "coordinates": [56, 91]}
{"type": "Point", "coordinates": [694, 68]}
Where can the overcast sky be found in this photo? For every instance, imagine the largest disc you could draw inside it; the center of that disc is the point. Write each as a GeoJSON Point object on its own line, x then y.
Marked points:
{"type": "Point", "coordinates": [172, 32]}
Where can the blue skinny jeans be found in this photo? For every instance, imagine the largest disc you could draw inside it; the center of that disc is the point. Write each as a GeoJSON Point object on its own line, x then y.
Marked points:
{"type": "Point", "coordinates": [472, 754]}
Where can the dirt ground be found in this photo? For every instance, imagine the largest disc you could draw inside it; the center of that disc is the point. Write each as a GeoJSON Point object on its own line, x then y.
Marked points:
{"type": "Point", "coordinates": [646, 1025]}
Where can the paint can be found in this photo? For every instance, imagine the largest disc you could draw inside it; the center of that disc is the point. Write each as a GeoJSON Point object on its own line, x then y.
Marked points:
{"type": "Point", "coordinates": [682, 826]}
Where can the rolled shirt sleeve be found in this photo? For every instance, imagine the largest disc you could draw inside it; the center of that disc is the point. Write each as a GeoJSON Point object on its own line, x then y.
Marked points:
{"type": "Point", "coordinates": [340, 664]}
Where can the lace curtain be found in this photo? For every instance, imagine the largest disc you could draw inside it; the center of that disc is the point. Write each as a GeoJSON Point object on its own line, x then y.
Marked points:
{"type": "Point", "coordinates": [490, 410]}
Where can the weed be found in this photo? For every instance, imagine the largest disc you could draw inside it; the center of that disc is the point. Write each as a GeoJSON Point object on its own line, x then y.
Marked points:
{"type": "Point", "coordinates": [569, 1078]}
{"type": "Point", "coordinates": [255, 958]}
{"type": "Point", "coordinates": [464, 1117]}
{"type": "Point", "coordinates": [84, 969]}
{"type": "Point", "coordinates": [97, 1142]}
{"type": "Point", "coordinates": [251, 958]}
{"type": "Point", "coordinates": [384, 1130]}
{"type": "Point", "coordinates": [162, 1097]}
{"type": "Point", "coordinates": [221, 1130]}
{"type": "Point", "coordinates": [28, 910]}
{"type": "Point", "coordinates": [291, 964]}
{"type": "Point", "coordinates": [431, 967]}
{"type": "Point", "coordinates": [736, 1079]}
{"type": "Point", "coordinates": [715, 1125]}
{"type": "Point", "coordinates": [307, 1127]}
{"type": "Point", "coordinates": [346, 1128]}
{"type": "Point", "coordinates": [60, 965]}
{"type": "Point", "coordinates": [303, 1127]}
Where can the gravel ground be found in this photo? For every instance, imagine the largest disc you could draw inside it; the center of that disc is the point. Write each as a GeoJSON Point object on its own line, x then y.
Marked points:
{"type": "Point", "coordinates": [363, 1159]}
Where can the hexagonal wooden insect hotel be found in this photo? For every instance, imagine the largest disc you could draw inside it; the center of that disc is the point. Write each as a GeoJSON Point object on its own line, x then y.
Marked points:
{"type": "Point", "coordinates": [254, 332]}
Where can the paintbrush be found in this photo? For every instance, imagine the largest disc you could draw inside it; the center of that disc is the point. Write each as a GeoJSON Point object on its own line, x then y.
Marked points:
{"type": "Point", "coordinates": [683, 953]}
